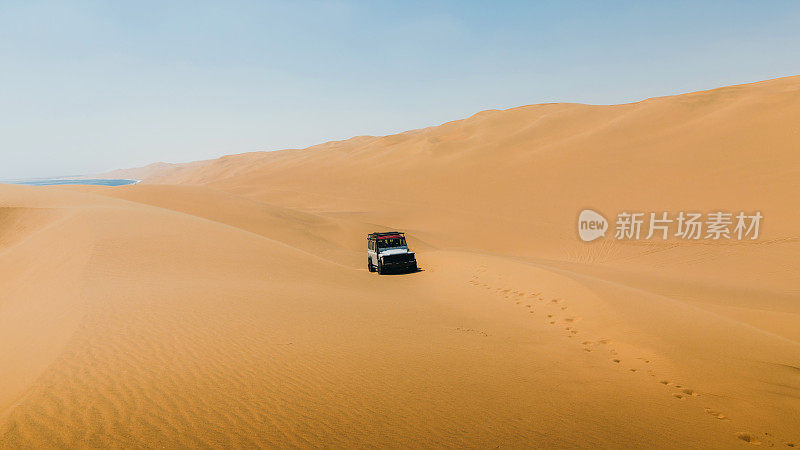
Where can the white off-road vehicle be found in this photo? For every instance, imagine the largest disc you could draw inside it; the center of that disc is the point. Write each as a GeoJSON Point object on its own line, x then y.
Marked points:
{"type": "Point", "coordinates": [389, 252]}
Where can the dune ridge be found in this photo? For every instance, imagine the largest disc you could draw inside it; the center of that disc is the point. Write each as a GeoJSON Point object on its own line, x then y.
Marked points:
{"type": "Point", "coordinates": [225, 303]}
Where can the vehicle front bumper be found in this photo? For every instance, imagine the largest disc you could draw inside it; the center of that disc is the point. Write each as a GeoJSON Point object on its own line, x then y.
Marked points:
{"type": "Point", "coordinates": [404, 265]}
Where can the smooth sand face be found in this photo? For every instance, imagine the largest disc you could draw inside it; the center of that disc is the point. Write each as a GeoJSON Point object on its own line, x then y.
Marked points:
{"type": "Point", "coordinates": [226, 303]}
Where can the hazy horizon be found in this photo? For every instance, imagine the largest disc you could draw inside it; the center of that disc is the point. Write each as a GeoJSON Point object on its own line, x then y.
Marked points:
{"type": "Point", "coordinates": [92, 87]}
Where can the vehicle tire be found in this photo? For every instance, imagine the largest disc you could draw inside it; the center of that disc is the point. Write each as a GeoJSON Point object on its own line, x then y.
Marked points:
{"type": "Point", "coordinates": [370, 267]}
{"type": "Point", "coordinates": [380, 268]}
{"type": "Point", "coordinates": [413, 268]}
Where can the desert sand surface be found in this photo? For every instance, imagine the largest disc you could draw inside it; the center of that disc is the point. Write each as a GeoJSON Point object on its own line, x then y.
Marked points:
{"type": "Point", "coordinates": [226, 303]}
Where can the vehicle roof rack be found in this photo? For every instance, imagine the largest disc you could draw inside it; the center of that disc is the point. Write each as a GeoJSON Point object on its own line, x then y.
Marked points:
{"type": "Point", "coordinates": [388, 233]}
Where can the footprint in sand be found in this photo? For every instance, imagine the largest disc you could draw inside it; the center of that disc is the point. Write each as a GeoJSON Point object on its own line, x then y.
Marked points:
{"type": "Point", "coordinates": [664, 382]}
{"type": "Point", "coordinates": [689, 392]}
{"type": "Point", "coordinates": [616, 361]}
{"type": "Point", "coordinates": [572, 319]}
{"type": "Point", "coordinates": [632, 370]}
{"type": "Point", "coordinates": [747, 437]}
{"type": "Point", "coordinates": [716, 414]}
{"type": "Point", "coordinates": [604, 341]}
{"type": "Point", "coordinates": [678, 396]}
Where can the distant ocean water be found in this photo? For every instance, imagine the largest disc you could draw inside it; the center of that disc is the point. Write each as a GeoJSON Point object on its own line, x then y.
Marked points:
{"type": "Point", "coordinates": [57, 181]}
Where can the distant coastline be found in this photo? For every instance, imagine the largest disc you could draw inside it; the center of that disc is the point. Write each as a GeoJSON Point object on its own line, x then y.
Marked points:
{"type": "Point", "coordinates": [65, 181]}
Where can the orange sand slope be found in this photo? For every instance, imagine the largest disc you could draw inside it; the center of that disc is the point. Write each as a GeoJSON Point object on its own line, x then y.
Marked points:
{"type": "Point", "coordinates": [225, 303]}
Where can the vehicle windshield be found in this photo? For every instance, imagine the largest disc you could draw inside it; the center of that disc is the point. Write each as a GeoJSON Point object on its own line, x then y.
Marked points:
{"type": "Point", "coordinates": [393, 242]}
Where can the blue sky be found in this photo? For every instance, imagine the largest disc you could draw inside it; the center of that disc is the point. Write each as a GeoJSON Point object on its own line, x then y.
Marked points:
{"type": "Point", "coordinates": [90, 86]}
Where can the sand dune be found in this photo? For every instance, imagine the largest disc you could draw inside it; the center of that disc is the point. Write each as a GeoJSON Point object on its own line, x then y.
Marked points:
{"type": "Point", "coordinates": [138, 173]}
{"type": "Point", "coordinates": [225, 303]}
